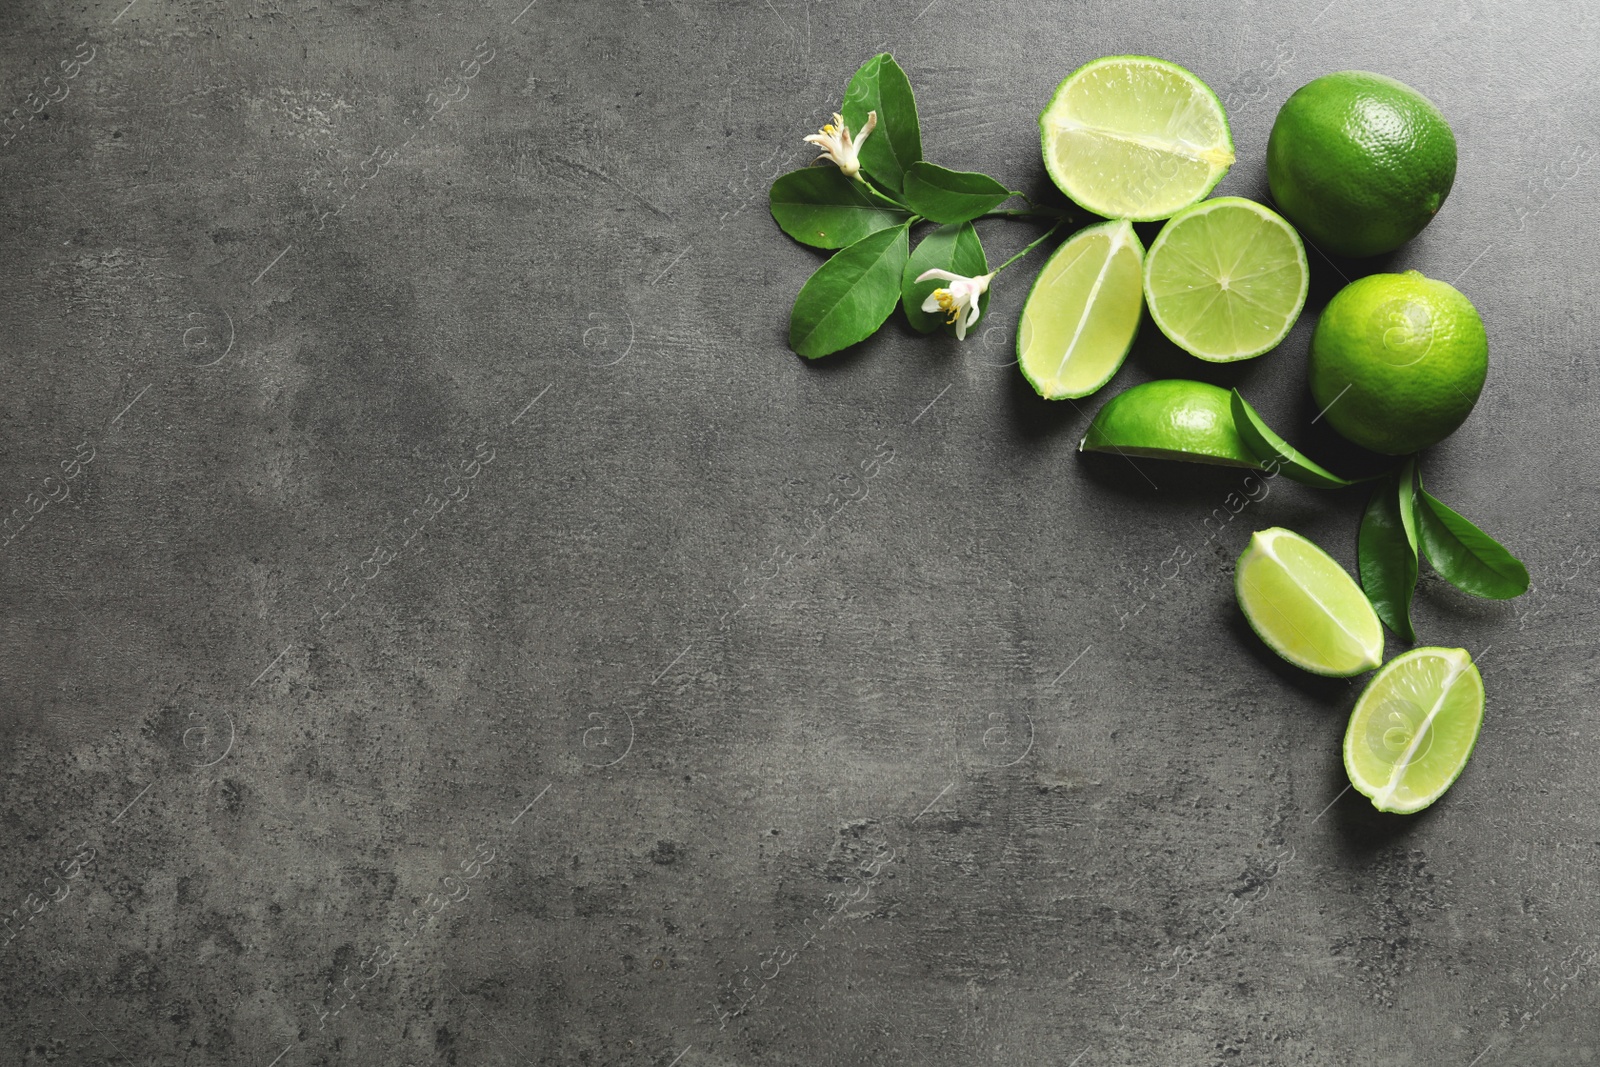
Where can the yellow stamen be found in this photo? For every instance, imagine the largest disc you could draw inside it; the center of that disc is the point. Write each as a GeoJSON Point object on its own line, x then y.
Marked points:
{"type": "Point", "coordinates": [947, 304]}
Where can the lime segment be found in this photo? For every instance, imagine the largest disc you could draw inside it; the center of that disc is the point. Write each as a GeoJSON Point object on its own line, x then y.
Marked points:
{"type": "Point", "coordinates": [1414, 727]}
{"type": "Point", "coordinates": [1305, 606]}
{"type": "Point", "coordinates": [1170, 419]}
{"type": "Point", "coordinates": [1226, 279]}
{"type": "Point", "coordinates": [1131, 137]}
{"type": "Point", "coordinates": [1083, 312]}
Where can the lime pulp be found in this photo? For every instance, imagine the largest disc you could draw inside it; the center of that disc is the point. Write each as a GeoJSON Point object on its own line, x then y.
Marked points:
{"type": "Point", "coordinates": [1226, 279]}
{"type": "Point", "coordinates": [1132, 137]}
{"type": "Point", "coordinates": [1083, 312]}
{"type": "Point", "coordinates": [1305, 606]}
{"type": "Point", "coordinates": [1414, 727]}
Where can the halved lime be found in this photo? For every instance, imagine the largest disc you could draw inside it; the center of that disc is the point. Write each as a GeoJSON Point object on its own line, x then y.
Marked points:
{"type": "Point", "coordinates": [1226, 279]}
{"type": "Point", "coordinates": [1083, 312]}
{"type": "Point", "coordinates": [1305, 606]}
{"type": "Point", "coordinates": [1131, 137]}
{"type": "Point", "coordinates": [1170, 419]}
{"type": "Point", "coordinates": [1414, 727]}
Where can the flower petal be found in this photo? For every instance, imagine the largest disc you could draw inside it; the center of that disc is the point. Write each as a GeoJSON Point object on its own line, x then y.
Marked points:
{"type": "Point", "coordinates": [942, 275]}
{"type": "Point", "coordinates": [973, 311]}
{"type": "Point", "coordinates": [872, 122]}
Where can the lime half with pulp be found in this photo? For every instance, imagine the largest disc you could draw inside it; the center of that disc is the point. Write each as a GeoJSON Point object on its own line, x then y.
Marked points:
{"type": "Point", "coordinates": [1414, 727]}
{"type": "Point", "coordinates": [1083, 312]}
{"type": "Point", "coordinates": [1226, 279]}
{"type": "Point", "coordinates": [1170, 419]}
{"type": "Point", "coordinates": [1305, 606]}
{"type": "Point", "coordinates": [1131, 137]}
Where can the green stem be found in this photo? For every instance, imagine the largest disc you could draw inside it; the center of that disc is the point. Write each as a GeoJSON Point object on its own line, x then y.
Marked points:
{"type": "Point", "coordinates": [1035, 244]}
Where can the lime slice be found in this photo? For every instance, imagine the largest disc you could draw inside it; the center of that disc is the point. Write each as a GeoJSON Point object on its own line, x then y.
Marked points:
{"type": "Point", "coordinates": [1414, 727]}
{"type": "Point", "coordinates": [1226, 279]}
{"type": "Point", "coordinates": [1170, 419]}
{"type": "Point", "coordinates": [1305, 606]}
{"type": "Point", "coordinates": [1130, 137]}
{"type": "Point", "coordinates": [1083, 312]}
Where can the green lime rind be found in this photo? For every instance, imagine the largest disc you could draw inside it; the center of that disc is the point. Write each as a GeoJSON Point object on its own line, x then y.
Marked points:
{"type": "Point", "coordinates": [1172, 418]}
{"type": "Point", "coordinates": [1398, 361]}
{"type": "Point", "coordinates": [1176, 276]}
{"type": "Point", "coordinates": [1107, 320]}
{"type": "Point", "coordinates": [1415, 726]}
{"type": "Point", "coordinates": [1216, 158]}
{"type": "Point", "coordinates": [1305, 606]}
{"type": "Point", "coordinates": [1360, 162]}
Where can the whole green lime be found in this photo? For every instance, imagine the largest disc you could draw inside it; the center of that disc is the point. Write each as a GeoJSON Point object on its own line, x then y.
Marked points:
{"type": "Point", "coordinates": [1360, 162]}
{"type": "Point", "coordinates": [1398, 361]}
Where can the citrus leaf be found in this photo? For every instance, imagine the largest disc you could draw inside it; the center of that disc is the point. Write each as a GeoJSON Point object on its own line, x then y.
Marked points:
{"type": "Point", "coordinates": [850, 295]}
{"type": "Point", "coordinates": [953, 248]}
{"type": "Point", "coordinates": [941, 195]}
{"type": "Point", "coordinates": [1409, 480]}
{"type": "Point", "coordinates": [1388, 551]}
{"type": "Point", "coordinates": [1465, 556]}
{"type": "Point", "coordinates": [896, 143]}
{"type": "Point", "coordinates": [820, 207]}
{"type": "Point", "coordinates": [1273, 450]}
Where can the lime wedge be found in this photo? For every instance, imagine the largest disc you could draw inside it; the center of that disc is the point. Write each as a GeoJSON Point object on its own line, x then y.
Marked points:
{"type": "Point", "coordinates": [1226, 279]}
{"type": "Point", "coordinates": [1170, 419]}
{"type": "Point", "coordinates": [1130, 137]}
{"type": "Point", "coordinates": [1305, 606]}
{"type": "Point", "coordinates": [1083, 312]}
{"type": "Point", "coordinates": [1414, 727]}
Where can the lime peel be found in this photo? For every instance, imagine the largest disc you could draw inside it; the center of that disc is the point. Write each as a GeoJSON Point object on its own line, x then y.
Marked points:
{"type": "Point", "coordinates": [1171, 418]}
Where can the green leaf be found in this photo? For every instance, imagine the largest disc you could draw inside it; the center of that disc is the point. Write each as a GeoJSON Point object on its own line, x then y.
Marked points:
{"type": "Point", "coordinates": [1388, 550]}
{"type": "Point", "coordinates": [820, 207]}
{"type": "Point", "coordinates": [1465, 556]}
{"type": "Point", "coordinates": [952, 248]}
{"type": "Point", "coordinates": [1274, 451]}
{"type": "Point", "coordinates": [950, 195]}
{"type": "Point", "coordinates": [850, 295]}
{"type": "Point", "coordinates": [896, 143]}
{"type": "Point", "coordinates": [1410, 479]}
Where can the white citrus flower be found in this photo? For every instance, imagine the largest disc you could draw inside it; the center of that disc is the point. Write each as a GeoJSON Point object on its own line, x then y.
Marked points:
{"type": "Point", "coordinates": [837, 144]}
{"type": "Point", "coordinates": [958, 300]}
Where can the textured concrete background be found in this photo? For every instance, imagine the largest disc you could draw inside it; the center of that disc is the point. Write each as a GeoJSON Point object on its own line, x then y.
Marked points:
{"type": "Point", "coordinates": [448, 626]}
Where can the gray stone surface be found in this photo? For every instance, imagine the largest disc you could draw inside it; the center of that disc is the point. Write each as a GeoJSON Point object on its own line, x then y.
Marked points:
{"type": "Point", "coordinates": [964, 770]}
